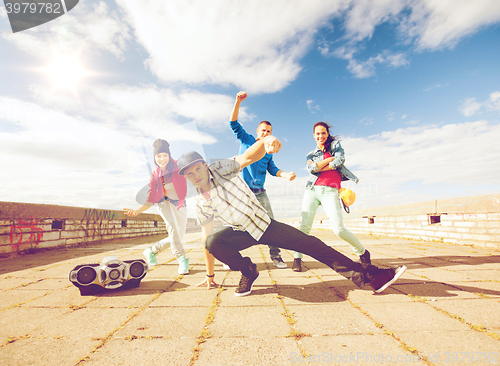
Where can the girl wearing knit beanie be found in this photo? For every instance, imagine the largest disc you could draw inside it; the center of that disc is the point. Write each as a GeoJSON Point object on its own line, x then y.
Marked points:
{"type": "Point", "coordinates": [167, 189]}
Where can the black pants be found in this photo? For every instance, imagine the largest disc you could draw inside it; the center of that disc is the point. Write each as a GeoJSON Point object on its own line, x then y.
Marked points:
{"type": "Point", "coordinates": [225, 244]}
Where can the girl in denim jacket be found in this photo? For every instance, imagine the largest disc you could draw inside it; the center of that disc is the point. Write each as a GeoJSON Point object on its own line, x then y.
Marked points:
{"type": "Point", "coordinates": [326, 166]}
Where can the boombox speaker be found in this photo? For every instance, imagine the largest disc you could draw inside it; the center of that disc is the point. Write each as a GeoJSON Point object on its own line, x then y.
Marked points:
{"type": "Point", "coordinates": [110, 274]}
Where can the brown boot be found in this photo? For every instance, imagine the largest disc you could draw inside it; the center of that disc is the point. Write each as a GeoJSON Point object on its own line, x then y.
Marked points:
{"type": "Point", "coordinates": [365, 258]}
{"type": "Point", "coordinates": [297, 265]}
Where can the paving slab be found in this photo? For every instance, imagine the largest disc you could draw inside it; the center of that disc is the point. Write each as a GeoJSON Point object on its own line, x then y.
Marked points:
{"type": "Point", "coordinates": [143, 351]}
{"type": "Point", "coordinates": [390, 295]}
{"type": "Point", "coordinates": [401, 317]}
{"type": "Point", "coordinates": [183, 297]}
{"type": "Point", "coordinates": [476, 312]}
{"type": "Point", "coordinates": [46, 351]}
{"type": "Point", "coordinates": [442, 274]}
{"type": "Point", "coordinates": [17, 297]}
{"type": "Point", "coordinates": [488, 288]}
{"type": "Point", "coordinates": [166, 322]}
{"type": "Point", "coordinates": [352, 349]}
{"type": "Point", "coordinates": [453, 348]}
{"type": "Point", "coordinates": [333, 319]}
{"type": "Point", "coordinates": [436, 290]}
{"type": "Point", "coordinates": [231, 322]}
{"type": "Point", "coordinates": [63, 298]}
{"type": "Point", "coordinates": [125, 299]}
{"type": "Point", "coordinates": [483, 274]}
{"type": "Point", "coordinates": [48, 284]}
{"type": "Point", "coordinates": [309, 294]}
{"type": "Point", "coordinates": [9, 282]}
{"type": "Point", "coordinates": [251, 350]}
{"type": "Point", "coordinates": [265, 296]}
{"type": "Point", "coordinates": [17, 322]}
{"type": "Point", "coordinates": [85, 323]}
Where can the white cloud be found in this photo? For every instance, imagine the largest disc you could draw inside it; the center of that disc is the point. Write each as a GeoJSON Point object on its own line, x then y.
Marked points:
{"type": "Point", "coordinates": [365, 15]}
{"type": "Point", "coordinates": [365, 69]}
{"type": "Point", "coordinates": [438, 24]}
{"type": "Point", "coordinates": [436, 87]}
{"type": "Point", "coordinates": [470, 106]}
{"type": "Point", "coordinates": [366, 121]}
{"type": "Point", "coordinates": [49, 134]}
{"type": "Point", "coordinates": [412, 122]}
{"type": "Point", "coordinates": [87, 29]}
{"type": "Point", "coordinates": [55, 158]}
{"type": "Point", "coordinates": [312, 107]}
{"type": "Point", "coordinates": [494, 102]}
{"type": "Point", "coordinates": [433, 24]}
{"type": "Point", "coordinates": [456, 154]}
{"type": "Point", "coordinates": [254, 45]}
{"type": "Point", "coordinates": [146, 108]}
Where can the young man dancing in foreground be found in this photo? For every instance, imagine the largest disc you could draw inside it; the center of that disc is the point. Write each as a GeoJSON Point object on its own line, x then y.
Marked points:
{"type": "Point", "coordinates": [223, 195]}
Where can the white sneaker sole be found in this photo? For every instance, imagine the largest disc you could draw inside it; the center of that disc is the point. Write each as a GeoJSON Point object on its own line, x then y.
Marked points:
{"type": "Point", "coordinates": [396, 276]}
{"type": "Point", "coordinates": [240, 294]}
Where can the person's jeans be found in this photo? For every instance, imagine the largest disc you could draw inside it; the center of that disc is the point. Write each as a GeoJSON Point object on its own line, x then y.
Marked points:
{"type": "Point", "coordinates": [328, 197]}
{"type": "Point", "coordinates": [176, 222]}
{"type": "Point", "coordinates": [225, 244]}
{"type": "Point", "coordinates": [264, 201]}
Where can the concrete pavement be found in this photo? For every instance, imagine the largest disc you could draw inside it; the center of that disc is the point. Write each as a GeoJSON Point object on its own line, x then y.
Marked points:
{"type": "Point", "coordinates": [445, 310]}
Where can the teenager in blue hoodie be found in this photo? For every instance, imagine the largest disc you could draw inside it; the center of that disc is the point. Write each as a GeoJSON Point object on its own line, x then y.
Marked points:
{"type": "Point", "coordinates": [254, 175]}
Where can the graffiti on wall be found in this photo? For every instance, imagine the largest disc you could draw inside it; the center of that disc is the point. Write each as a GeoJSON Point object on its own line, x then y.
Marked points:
{"type": "Point", "coordinates": [92, 222]}
{"type": "Point", "coordinates": [98, 215]}
{"type": "Point", "coordinates": [25, 232]}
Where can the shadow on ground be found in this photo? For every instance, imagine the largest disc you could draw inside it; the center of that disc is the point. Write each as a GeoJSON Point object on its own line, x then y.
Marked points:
{"type": "Point", "coordinates": [146, 288]}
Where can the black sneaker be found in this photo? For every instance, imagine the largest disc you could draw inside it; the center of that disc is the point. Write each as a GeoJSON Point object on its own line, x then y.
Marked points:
{"type": "Point", "coordinates": [297, 265]}
{"type": "Point", "coordinates": [365, 258]}
{"type": "Point", "coordinates": [379, 279]}
{"type": "Point", "coordinates": [245, 285]}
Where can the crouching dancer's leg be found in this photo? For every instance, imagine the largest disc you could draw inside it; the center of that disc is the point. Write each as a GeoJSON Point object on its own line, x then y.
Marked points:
{"type": "Point", "coordinates": [225, 245]}
{"type": "Point", "coordinates": [287, 237]}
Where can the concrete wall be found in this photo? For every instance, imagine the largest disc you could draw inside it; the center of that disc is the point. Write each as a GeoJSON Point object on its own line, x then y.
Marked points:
{"type": "Point", "coordinates": [464, 221]}
{"type": "Point", "coordinates": [27, 227]}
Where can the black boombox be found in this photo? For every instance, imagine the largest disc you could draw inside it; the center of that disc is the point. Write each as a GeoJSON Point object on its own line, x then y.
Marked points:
{"type": "Point", "coordinates": [110, 274]}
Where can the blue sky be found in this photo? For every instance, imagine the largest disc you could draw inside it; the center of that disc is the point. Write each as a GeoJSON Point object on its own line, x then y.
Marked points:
{"type": "Point", "coordinates": [412, 88]}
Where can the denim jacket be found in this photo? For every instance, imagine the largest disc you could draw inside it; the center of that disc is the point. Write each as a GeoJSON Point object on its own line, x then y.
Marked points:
{"type": "Point", "coordinates": [337, 152]}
